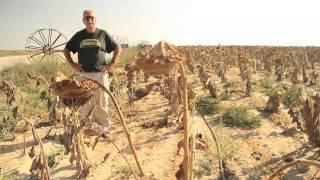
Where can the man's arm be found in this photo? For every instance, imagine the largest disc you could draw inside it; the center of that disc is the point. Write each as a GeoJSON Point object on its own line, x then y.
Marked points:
{"type": "Point", "coordinates": [116, 55]}
{"type": "Point", "coordinates": [74, 65]}
{"type": "Point", "coordinates": [115, 59]}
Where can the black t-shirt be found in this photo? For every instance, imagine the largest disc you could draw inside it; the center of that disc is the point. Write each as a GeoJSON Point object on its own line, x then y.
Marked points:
{"type": "Point", "coordinates": [91, 48]}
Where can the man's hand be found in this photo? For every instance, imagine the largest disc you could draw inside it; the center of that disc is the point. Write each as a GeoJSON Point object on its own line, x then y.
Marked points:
{"type": "Point", "coordinates": [75, 66]}
{"type": "Point", "coordinates": [116, 56]}
{"type": "Point", "coordinates": [107, 68]}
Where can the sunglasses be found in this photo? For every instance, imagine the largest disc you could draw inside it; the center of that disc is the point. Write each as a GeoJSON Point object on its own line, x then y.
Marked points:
{"type": "Point", "coordinates": [87, 18]}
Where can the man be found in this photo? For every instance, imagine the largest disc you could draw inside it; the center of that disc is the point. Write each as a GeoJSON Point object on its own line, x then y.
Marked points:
{"type": "Point", "coordinates": [92, 44]}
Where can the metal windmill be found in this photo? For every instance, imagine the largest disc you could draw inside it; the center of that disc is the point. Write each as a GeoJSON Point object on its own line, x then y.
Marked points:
{"type": "Point", "coordinates": [45, 43]}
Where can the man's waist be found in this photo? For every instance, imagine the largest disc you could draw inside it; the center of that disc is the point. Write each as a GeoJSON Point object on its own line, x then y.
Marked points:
{"type": "Point", "coordinates": [92, 70]}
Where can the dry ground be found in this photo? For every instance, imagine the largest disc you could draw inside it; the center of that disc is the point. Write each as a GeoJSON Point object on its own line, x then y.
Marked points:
{"type": "Point", "coordinates": [252, 154]}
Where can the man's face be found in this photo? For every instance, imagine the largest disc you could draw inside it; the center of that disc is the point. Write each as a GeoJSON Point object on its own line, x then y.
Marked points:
{"type": "Point", "coordinates": [89, 19]}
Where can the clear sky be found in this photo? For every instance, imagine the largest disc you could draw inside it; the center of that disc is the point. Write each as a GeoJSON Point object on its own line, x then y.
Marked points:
{"type": "Point", "coordinates": [207, 22]}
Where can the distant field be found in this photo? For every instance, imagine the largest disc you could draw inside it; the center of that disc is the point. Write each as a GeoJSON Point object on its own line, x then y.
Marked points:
{"type": "Point", "coordinates": [11, 53]}
{"type": "Point", "coordinates": [10, 57]}
{"type": "Point", "coordinates": [127, 54]}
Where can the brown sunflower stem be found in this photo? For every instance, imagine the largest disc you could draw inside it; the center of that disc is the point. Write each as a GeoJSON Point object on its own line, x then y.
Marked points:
{"type": "Point", "coordinates": [215, 138]}
{"type": "Point", "coordinates": [44, 157]}
{"type": "Point", "coordinates": [186, 159]}
{"type": "Point", "coordinates": [114, 144]}
{"type": "Point", "coordinates": [192, 155]}
{"type": "Point", "coordinates": [294, 163]}
{"type": "Point", "coordinates": [122, 121]}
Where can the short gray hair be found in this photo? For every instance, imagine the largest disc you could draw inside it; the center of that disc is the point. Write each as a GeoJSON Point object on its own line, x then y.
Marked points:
{"type": "Point", "coordinates": [88, 11]}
